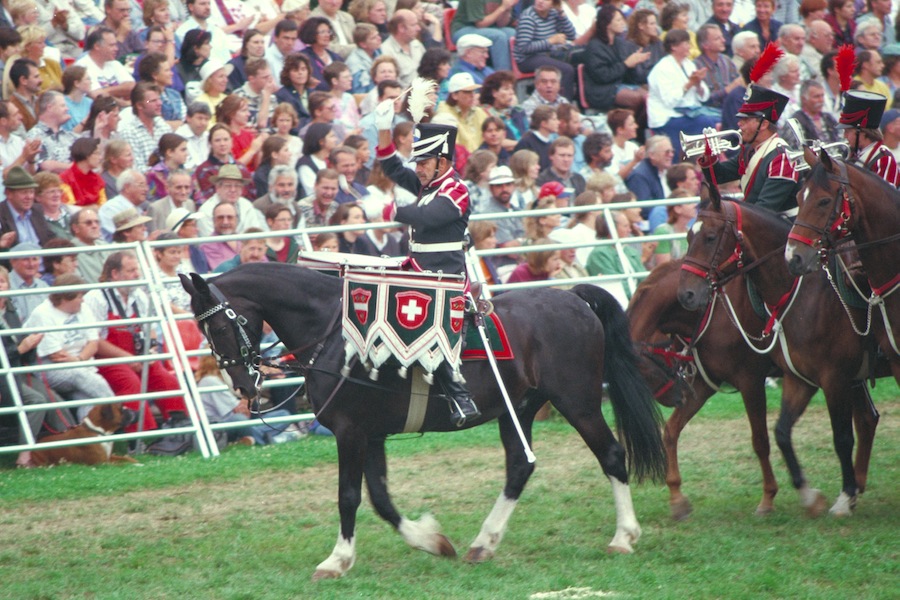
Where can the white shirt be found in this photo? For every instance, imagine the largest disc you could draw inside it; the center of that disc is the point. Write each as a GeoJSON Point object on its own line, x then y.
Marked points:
{"type": "Point", "coordinates": [10, 150]}
{"type": "Point", "coordinates": [667, 80]}
{"type": "Point", "coordinates": [97, 308]}
{"type": "Point", "coordinates": [198, 147]}
{"type": "Point", "coordinates": [248, 216]}
{"type": "Point", "coordinates": [73, 341]}
{"type": "Point", "coordinates": [111, 73]}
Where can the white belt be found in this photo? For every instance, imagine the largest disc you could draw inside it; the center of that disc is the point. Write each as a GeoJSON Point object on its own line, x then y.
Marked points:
{"type": "Point", "coordinates": [442, 247]}
{"type": "Point", "coordinates": [790, 213]}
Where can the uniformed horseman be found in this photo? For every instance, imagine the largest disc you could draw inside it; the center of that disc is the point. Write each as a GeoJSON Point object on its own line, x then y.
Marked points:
{"type": "Point", "coordinates": [860, 120]}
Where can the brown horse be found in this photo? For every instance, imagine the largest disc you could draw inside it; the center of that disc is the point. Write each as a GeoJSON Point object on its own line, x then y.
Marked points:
{"type": "Point", "coordinates": [840, 203]}
{"type": "Point", "coordinates": [808, 334]}
{"type": "Point", "coordinates": [716, 354]}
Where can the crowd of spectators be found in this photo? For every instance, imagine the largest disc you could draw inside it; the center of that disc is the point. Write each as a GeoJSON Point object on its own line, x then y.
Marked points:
{"type": "Point", "coordinates": [123, 121]}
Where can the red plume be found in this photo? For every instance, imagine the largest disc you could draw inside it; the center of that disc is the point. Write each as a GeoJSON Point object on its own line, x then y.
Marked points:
{"type": "Point", "coordinates": [771, 55]}
{"type": "Point", "coordinates": [845, 64]}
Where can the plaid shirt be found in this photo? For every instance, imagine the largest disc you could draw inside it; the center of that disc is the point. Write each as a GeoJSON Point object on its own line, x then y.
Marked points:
{"type": "Point", "coordinates": [54, 145]}
{"type": "Point", "coordinates": [143, 143]}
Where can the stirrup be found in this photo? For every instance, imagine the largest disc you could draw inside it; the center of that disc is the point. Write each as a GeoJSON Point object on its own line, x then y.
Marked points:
{"type": "Point", "coordinates": [462, 412]}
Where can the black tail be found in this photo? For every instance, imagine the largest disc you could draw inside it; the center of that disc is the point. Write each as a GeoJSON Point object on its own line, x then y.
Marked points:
{"type": "Point", "coordinates": [638, 418]}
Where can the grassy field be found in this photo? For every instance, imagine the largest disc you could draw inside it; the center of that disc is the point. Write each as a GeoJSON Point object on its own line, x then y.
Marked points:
{"type": "Point", "coordinates": [254, 523]}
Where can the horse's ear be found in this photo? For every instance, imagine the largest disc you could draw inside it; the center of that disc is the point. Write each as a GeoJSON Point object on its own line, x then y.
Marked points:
{"type": "Point", "coordinates": [187, 284]}
{"type": "Point", "coordinates": [709, 194]}
{"type": "Point", "coordinates": [196, 286]}
{"type": "Point", "coordinates": [809, 155]}
{"type": "Point", "coordinates": [829, 165]}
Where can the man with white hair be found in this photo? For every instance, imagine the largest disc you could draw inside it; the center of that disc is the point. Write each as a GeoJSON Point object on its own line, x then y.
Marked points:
{"type": "Point", "coordinates": [792, 38]}
{"type": "Point", "coordinates": [282, 191]}
{"type": "Point", "coordinates": [869, 35]}
{"type": "Point", "coordinates": [179, 186]}
{"type": "Point", "coordinates": [473, 51]}
{"type": "Point", "coordinates": [819, 42]}
{"type": "Point", "coordinates": [815, 123]}
{"type": "Point", "coordinates": [744, 47]}
{"type": "Point", "coordinates": [133, 190]}
{"type": "Point", "coordinates": [880, 11]}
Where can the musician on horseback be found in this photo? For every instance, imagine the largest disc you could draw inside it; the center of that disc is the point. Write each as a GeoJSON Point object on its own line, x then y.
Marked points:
{"type": "Point", "coordinates": [860, 119]}
{"type": "Point", "coordinates": [437, 220]}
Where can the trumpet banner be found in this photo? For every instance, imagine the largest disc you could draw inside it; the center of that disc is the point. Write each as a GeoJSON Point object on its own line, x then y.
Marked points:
{"type": "Point", "coordinates": [402, 317]}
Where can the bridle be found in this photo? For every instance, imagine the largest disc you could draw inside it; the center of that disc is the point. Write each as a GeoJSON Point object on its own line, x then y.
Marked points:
{"type": "Point", "coordinates": [836, 230]}
{"type": "Point", "coordinates": [250, 358]}
{"type": "Point", "coordinates": [714, 271]}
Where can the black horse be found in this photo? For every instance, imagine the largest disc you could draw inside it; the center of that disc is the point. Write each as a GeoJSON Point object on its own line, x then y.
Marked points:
{"type": "Point", "coordinates": [564, 345]}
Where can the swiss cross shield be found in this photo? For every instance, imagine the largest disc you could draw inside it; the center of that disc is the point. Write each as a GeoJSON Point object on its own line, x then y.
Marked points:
{"type": "Point", "coordinates": [457, 308]}
{"type": "Point", "coordinates": [361, 299]}
{"type": "Point", "coordinates": [412, 309]}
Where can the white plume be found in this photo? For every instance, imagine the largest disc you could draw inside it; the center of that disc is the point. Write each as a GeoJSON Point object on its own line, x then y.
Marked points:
{"type": "Point", "coordinates": [422, 96]}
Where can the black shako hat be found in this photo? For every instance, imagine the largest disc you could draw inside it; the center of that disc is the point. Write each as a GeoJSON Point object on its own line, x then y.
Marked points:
{"type": "Point", "coordinates": [433, 141]}
{"type": "Point", "coordinates": [862, 110]}
{"type": "Point", "coordinates": [762, 102]}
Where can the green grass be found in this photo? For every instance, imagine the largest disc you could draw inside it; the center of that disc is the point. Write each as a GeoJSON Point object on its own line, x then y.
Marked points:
{"type": "Point", "coordinates": [255, 522]}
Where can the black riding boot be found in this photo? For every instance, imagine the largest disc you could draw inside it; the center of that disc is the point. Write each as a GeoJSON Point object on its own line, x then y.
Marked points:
{"type": "Point", "coordinates": [462, 405]}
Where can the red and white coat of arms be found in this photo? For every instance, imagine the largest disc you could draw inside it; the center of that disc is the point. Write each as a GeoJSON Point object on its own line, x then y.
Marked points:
{"type": "Point", "coordinates": [457, 313]}
{"type": "Point", "coordinates": [361, 299]}
{"type": "Point", "coordinates": [412, 308]}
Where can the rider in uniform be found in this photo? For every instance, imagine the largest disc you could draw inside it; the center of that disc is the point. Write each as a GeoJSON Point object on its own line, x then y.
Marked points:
{"type": "Point", "coordinates": [860, 119]}
{"type": "Point", "coordinates": [438, 221]}
{"type": "Point", "coordinates": [767, 177]}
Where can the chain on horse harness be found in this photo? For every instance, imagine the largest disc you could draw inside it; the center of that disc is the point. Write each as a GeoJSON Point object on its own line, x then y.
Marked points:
{"type": "Point", "coordinates": [714, 273]}
{"type": "Point", "coordinates": [835, 234]}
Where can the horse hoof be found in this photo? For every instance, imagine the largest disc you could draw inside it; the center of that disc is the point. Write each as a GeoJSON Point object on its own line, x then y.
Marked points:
{"type": "Point", "coordinates": [619, 550]}
{"type": "Point", "coordinates": [844, 506]}
{"type": "Point", "coordinates": [444, 547]}
{"type": "Point", "coordinates": [478, 555]}
{"type": "Point", "coordinates": [764, 511]}
{"type": "Point", "coordinates": [681, 510]}
{"type": "Point", "coordinates": [326, 574]}
{"type": "Point", "coordinates": [818, 506]}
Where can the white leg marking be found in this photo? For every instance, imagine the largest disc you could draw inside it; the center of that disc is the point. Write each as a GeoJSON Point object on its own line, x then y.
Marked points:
{"type": "Point", "coordinates": [627, 529]}
{"type": "Point", "coordinates": [808, 496]}
{"type": "Point", "coordinates": [494, 526]}
{"type": "Point", "coordinates": [843, 506]}
{"type": "Point", "coordinates": [342, 557]}
{"type": "Point", "coordinates": [423, 534]}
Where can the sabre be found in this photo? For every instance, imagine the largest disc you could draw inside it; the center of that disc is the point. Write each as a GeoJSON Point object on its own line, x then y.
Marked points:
{"type": "Point", "coordinates": [479, 323]}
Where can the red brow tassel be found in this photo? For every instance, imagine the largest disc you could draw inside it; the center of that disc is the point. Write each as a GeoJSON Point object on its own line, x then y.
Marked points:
{"type": "Point", "coordinates": [845, 65]}
{"type": "Point", "coordinates": [771, 55]}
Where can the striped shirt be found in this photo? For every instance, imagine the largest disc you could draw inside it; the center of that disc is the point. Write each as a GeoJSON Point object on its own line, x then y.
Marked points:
{"type": "Point", "coordinates": [533, 31]}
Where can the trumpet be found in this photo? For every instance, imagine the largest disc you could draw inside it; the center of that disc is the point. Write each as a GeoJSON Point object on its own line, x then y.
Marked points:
{"type": "Point", "coordinates": [836, 150]}
{"type": "Point", "coordinates": [719, 141]}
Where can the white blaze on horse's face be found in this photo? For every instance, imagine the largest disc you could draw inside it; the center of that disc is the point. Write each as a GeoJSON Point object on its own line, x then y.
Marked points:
{"type": "Point", "coordinates": [695, 228]}
{"type": "Point", "coordinates": [805, 195]}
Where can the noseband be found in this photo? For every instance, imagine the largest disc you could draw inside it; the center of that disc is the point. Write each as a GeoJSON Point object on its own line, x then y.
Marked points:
{"type": "Point", "coordinates": [714, 271]}
{"type": "Point", "coordinates": [836, 229]}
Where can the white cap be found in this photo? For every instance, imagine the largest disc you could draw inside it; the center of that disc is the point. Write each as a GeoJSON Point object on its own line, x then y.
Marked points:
{"type": "Point", "coordinates": [462, 82]}
{"type": "Point", "coordinates": [500, 175]}
{"type": "Point", "coordinates": [210, 67]}
{"type": "Point", "coordinates": [177, 218]}
{"type": "Point", "coordinates": [473, 40]}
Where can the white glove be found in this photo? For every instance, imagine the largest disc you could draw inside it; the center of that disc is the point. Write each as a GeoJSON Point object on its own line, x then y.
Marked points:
{"type": "Point", "coordinates": [384, 115]}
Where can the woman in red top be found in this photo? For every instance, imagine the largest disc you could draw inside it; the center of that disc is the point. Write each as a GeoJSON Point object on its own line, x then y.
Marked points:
{"type": "Point", "coordinates": [538, 266]}
{"type": "Point", "coordinates": [82, 184]}
{"type": "Point", "coordinates": [234, 113]}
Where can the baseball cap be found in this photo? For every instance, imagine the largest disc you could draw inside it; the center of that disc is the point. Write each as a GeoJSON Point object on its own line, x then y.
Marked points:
{"type": "Point", "coordinates": [462, 82]}
{"type": "Point", "coordinates": [889, 117]}
{"type": "Point", "coordinates": [554, 188]}
{"type": "Point", "coordinates": [472, 40]}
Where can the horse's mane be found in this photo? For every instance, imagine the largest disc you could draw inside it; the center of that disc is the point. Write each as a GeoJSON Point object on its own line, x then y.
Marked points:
{"type": "Point", "coordinates": [820, 176]}
{"type": "Point", "coordinates": [769, 218]}
{"type": "Point", "coordinates": [277, 277]}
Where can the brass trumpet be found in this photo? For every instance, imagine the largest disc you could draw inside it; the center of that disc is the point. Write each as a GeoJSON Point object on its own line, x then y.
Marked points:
{"type": "Point", "coordinates": [719, 141]}
{"type": "Point", "coordinates": [836, 150]}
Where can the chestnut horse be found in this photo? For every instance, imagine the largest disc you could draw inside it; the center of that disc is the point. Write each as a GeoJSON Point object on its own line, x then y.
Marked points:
{"type": "Point", "coordinates": [564, 345]}
{"type": "Point", "coordinates": [807, 335]}
{"type": "Point", "coordinates": [840, 203]}
{"type": "Point", "coordinates": [686, 358]}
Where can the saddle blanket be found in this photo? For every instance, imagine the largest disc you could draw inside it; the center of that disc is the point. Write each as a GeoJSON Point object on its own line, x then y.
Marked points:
{"type": "Point", "coordinates": [496, 335]}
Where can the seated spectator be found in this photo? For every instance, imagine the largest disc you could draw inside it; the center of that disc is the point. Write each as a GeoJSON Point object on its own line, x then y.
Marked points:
{"type": "Point", "coordinates": [194, 132]}
{"type": "Point", "coordinates": [367, 48]}
{"type": "Point", "coordinates": [129, 302]}
{"type": "Point", "coordinates": [317, 33]}
{"type": "Point", "coordinates": [544, 123]}
{"type": "Point", "coordinates": [76, 86]}
{"type": "Point", "coordinates": [20, 220]}
{"type": "Point", "coordinates": [69, 346]}
{"type": "Point", "coordinates": [386, 90]}
{"type": "Point", "coordinates": [721, 74]}
{"type": "Point", "coordinates": [598, 151]}
{"type": "Point", "coordinates": [183, 223]}
{"type": "Point", "coordinates": [281, 248]}
{"type": "Point", "coordinates": [213, 84]}
{"type": "Point", "coordinates": [370, 12]}
{"type": "Point", "coordinates": [766, 28]}
{"type": "Point", "coordinates": [745, 47]}
{"type": "Point", "coordinates": [144, 131]}
{"type": "Point", "coordinates": [572, 126]}
{"type": "Point", "coordinates": [178, 195]}
{"type": "Point", "coordinates": [295, 87]}
{"type": "Point", "coordinates": [571, 267]}
{"type": "Point", "coordinates": [229, 183]}
{"type": "Point", "coordinates": [86, 232]}
{"type": "Point", "coordinates": [14, 150]}
{"type": "Point", "coordinates": [493, 139]}
{"type": "Point", "coordinates": [679, 217]}
{"type": "Point", "coordinates": [643, 34]}
{"type": "Point", "coordinates": [384, 68]}
{"type": "Point", "coordinates": [343, 160]}
{"type": "Point", "coordinates": [361, 145]}
{"type": "Point", "coordinates": [472, 17]}
{"type": "Point", "coordinates": [525, 166]}
{"type": "Point", "coordinates": [117, 158]}
{"type": "Point", "coordinates": [538, 266]}
{"type": "Point", "coordinates": [83, 186]}
{"type": "Point", "coordinates": [646, 179]}
{"type": "Point", "coordinates": [26, 275]}
{"type": "Point", "coordinates": [382, 189]}
{"type": "Point", "coordinates": [325, 242]}
{"type": "Point", "coordinates": [117, 20]}
{"type": "Point", "coordinates": [130, 227]}
{"type": "Point", "coordinates": [604, 260]}
{"type": "Point", "coordinates": [169, 156]}
{"type": "Point", "coordinates": [196, 50]}
{"type": "Point", "coordinates": [157, 70]}
{"type": "Point", "coordinates": [275, 151]}
{"type": "Point", "coordinates": [815, 123]}
{"type": "Point", "coordinates": [356, 241]}
{"type": "Point", "coordinates": [56, 143]}
{"type": "Point", "coordinates": [476, 176]}
{"type": "Point", "coordinates": [869, 67]}
{"type": "Point", "coordinates": [544, 36]}
{"type": "Point", "coordinates": [341, 26]}
{"type": "Point", "coordinates": [282, 190]}
{"type": "Point", "coordinates": [103, 122]}
{"type": "Point", "coordinates": [323, 108]}
{"type": "Point", "coordinates": [132, 194]}
{"type": "Point", "coordinates": [626, 153]}
{"type": "Point", "coordinates": [25, 80]}
{"type": "Point", "coordinates": [170, 264]}
{"type": "Point", "coordinates": [403, 44]}
{"type": "Point", "coordinates": [676, 17]}
{"type": "Point", "coordinates": [107, 74]}
{"type": "Point", "coordinates": [604, 185]}
{"type": "Point", "coordinates": [677, 92]}
{"type": "Point", "coordinates": [498, 96]}
{"type": "Point", "coordinates": [49, 195]}
{"type": "Point", "coordinates": [435, 65]}
{"type": "Point", "coordinates": [34, 42]}
{"type": "Point", "coordinates": [56, 265]}
{"type": "Point", "coordinates": [561, 155]}
{"type": "Point", "coordinates": [582, 225]}
{"type": "Point", "coordinates": [156, 40]}
{"type": "Point", "coordinates": [387, 241]}
{"type": "Point", "coordinates": [253, 46]}
{"type": "Point", "coordinates": [473, 51]}
{"type": "Point", "coordinates": [252, 251]}
{"type": "Point", "coordinates": [318, 208]}
{"type": "Point", "coordinates": [318, 142]}
{"type": "Point", "coordinates": [220, 144]}
{"type": "Point", "coordinates": [786, 74]}
{"type": "Point", "coordinates": [339, 80]}
{"type": "Point", "coordinates": [484, 237]}
{"type": "Point", "coordinates": [284, 43]}
{"type": "Point", "coordinates": [547, 84]}
{"type": "Point", "coordinates": [551, 196]}
{"type": "Point", "coordinates": [431, 32]}
{"type": "Point", "coordinates": [259, 93]}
